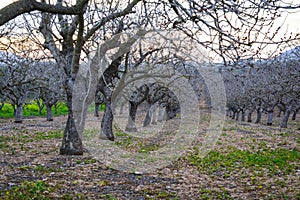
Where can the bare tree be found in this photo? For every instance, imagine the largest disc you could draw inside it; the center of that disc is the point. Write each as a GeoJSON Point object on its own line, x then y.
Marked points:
{"type": "Point", "coordinates": [20, 78]}
{"type": "Point", "coordinates": [266, 84]}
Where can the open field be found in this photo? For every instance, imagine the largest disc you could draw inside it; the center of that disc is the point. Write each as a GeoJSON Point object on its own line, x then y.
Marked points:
{"type": "Point", "coordinates": [249, 161]}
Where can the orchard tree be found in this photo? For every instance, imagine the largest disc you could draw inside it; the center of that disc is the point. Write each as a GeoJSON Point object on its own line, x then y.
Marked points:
{"type": "Point", "coordinates": [264, 85]}
{"type": "Point", "coordinates": [52, 90]}
{"type": "Point", "coordinates": [289, 74]}
{"type": "Point", "coordinates": [229, 29]}
{"type": "Point", "coordinates": [21, 77]}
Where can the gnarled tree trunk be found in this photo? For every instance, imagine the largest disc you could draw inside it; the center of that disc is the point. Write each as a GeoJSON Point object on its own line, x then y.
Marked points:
{"type": "Point", "coordinates": [97, 105]}
{"type": "Point", "coordinates": [243, 116]}
{"type": "Point", "coordinates": [237, 116]}
{"type": "Point", "coordinates": [250, 115]}
{"type": "Point", "coordinates": [161, 113]}
{"type": "Point", "coordinates": [40, 105]}
{"type": "Point", "coordinates": [147, 119]}
{"type": "Point", "coordinates": [153, 114]}
{"type": "Point", "coordinates": [72, 143]}
{"type": "Point", "coordinates": [19, 113]}
{"type": "Point", "coordinates": [279, 113]}
{"type": "Point", "coordinates": [286, 116]}
{"type": "Point", "coordinates": [233, 115]}
{"type": "Point", "coordinates": [131, 118]}
{"type": "Point", "coordinates": [270, 117]}
{"type": "Point", "coordinates": [259, 114]}
{"type": "Point", "coordinates": [107, 119]}
{"type": "Point", "coordinates": [49, 112]}
{"type": "Point", "coordinates": [295, 113]}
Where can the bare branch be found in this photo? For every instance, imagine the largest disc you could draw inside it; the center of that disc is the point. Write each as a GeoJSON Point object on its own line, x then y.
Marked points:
{"type": "Point", "coordinates": [25, 6]}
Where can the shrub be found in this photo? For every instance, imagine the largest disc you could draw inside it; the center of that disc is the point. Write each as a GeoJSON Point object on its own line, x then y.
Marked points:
{"type": "Point", "coordinates": [7, 111]}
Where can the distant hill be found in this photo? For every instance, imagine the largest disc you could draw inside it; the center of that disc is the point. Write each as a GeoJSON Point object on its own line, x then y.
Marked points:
{"type": "Point", "coordinates": [292, 54]}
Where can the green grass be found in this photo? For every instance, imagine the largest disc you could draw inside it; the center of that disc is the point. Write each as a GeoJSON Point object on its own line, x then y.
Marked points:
{"type": "Point", "coordinates": [91, 107]}
{"type": "Point", "coordinates": [125, 142]}
{"type": "Point", "coordinates": [275, 161]}
{"type": "Point", "coordinates": [107, 197]}
{"type": "Point", "coordinates": [32, 109]}
{"type": "Point", "coordinates": [48, 135]}
{"type": "Point", "coordinates": [148, 148]}
{"type": "Point", "coordinates": [213, 194]}
{"type": "Point", "coordinates": [29, 190]}
{"type": "Point", "coordinates": [7, 111]}
{"type": "Point", "coordinates": [4, 142]}
{"type": "Point", "coordinates": [157, 194]}
{"type": "Point", "coordinates": [87, 161]}
{"type": "Point", "coordinates": [6, 145]}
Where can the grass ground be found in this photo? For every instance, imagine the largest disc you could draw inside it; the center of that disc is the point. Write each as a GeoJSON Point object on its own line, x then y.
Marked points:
{"type": "Point", "coordinates": [32, 109]}
{"type": "Point", "coordinates": [249, 161]}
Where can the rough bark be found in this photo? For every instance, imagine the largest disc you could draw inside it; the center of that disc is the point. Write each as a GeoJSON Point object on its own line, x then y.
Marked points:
{"type": "Point", "coordinates": [230, 113]}
{"type": "Point", "coordinates": [19, 113]}
{"type": "Point", "coordinates": [97, 105]}
{"type": "Point", "coordinates": [227, 112]}
{"type": "Point", "coordinates": [233, 115]}
{"type": "Point", "coordinates": [138, 97]}
{"type": "Point", "coordinates": [161, 113]}
{"type": "Point", "coordinates": [72, 143]}
{"type": "Point", "coordinates": [153, 114]}
{"type": "Point", "coordinates": [243, 116]}
{"type": "Point", "coordinates": [286, 117]}
{"type": "Point", "coordinates": [107, 77]}
{"type": "Point", "coordinates": [270, 113]}
{"type": "Point", "coordinates": [131, 127]}
{"type": "Point", "coordinates": [171, 111]}
{"type": "Point", "coordinates": [259, 115]}
{"type": "Point", "coordinates": [250, 116]}
{"type": "Point", "coordinates": [107, 119]}
{"type": "Point", "coordinates": [147, 119]}
{"type": "Point", "coordinates": [41, 106]}
{"type": "Point", "coordinates": [270, 117]}
{"type": "Point", "coordinates": [295, 114]}
{"type": "Point", "coordinates": [237, 116]}
{"type": "Point", "coordinates": [49, 103]}
{"type": "Point", "coordinates": [279, 113]}
{"type": "Point", "coordinates": [49, 112]}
